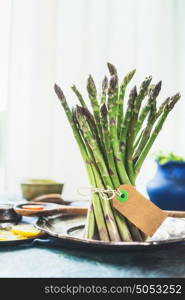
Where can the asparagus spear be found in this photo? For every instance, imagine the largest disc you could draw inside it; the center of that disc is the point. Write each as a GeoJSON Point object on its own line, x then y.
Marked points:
{"type": "Point", "coordinates": [94, 147]}
{"type": "Point", "coordinates": [162, 106]}
{"type": "Point", "coordinates": [122, 225]}
{"type": "Point", "coordinates": [90, 229]}
{"type": "Point", "coordinates": [103, 213]}
{"type": "Point", "coordinates": [154, 92]}
{"type": "Point", "coordinates": [113, 130]}
{"type": "Point", "coordinates": [103, 143]}
{"type": "Point", "coordinates": [79, 96]}
{"type": "Point", "coordinates": [112, 228]}
{"type": "Point", "coordinates": [96, 203]}
{"type": "Point", "coordinates": [104, 90]}
{"type": "Point", "coordinates": [112, 96]}
{"type": "Point", "coordinates": [91, 89]}
{"type": "Point", "coordinates": [167, 108]}
{"type": "Point", "coordinates": [133, 127]}
{"type": "Point", "coordinates": [112, 69]}
{"type": "Point", "coordinates": [146, 133]}
{"type": "Point", "coordinates": [123, 86]}
{"type": "Point", "coordinates": [108, 146]}
{"type": "Point", "coordinates": [151, 119]}
{"type": "Point", "coordinates": [93, 127]}
{"type": "Point", "coordinates": [144, 113]}
{"type": "Point", "coordinates": [127, 119]}
{"type": "Point", "coordinates": [68, 112]}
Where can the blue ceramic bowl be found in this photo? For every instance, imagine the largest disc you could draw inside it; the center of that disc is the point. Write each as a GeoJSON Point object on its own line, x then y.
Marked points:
{"type": "Point", "coordinates": [167, 188]}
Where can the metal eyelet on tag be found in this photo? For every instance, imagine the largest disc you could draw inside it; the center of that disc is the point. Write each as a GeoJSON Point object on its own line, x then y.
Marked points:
{"type": "Point", "coordinates": [123, 196]}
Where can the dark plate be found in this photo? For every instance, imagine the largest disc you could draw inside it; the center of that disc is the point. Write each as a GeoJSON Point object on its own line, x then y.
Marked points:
{"type": "Point", "coordinates": [25, 241]}
{"type": "Point", "coordinates": [67, 231]}
{"type": "Point", "coordinates": [16, 242]}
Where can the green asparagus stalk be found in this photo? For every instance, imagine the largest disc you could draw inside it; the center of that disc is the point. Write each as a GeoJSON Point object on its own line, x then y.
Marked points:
{"type": "Point", "coordinates": [124, 232]}
{"type": "Point", "coordinates": [104, 90]}
{"type": "Point", "coordinates": [127, 119]}
{"type": "Point", "coordinates": [112, 94]}
{"type": "Point", "coordinates": [151, 119]}
{"type": "Point", "coordinates": [123, 87]}
{"type": "Point", "coordinates": [112, 228]}
{"type": "Point", "coordinates": [147, 131]}
{"type": "Point", "coordinates": [96, 203]}
{"type": "Point", "coordinates": [112, 147]}
{"type": "Point", "coordinates": [68, 112]}
{"type": "Point", "coordinates": [109, 216]}
{"type": "Point", "coordinates": [79, 96]}
{"type": "Point", "coordinates": [90, 229]}
{"type": "Point", "coordinates": [93, 127]}
{"type": "Point", "coordinates": [108, 146]}
{"type": "Point", "coordinates": [132, 129]}
{"type": "Point", "coordinates": [112, 69]}
{"type": "Point", "coordinates": [167, 108]}
{"type": "Point", "coordinates": [123, 229]}
{"type": "Point", "coordinates": [91, 89]}
{"type": "Point", "coordinates": [162, 106]}
{"type": "Point", "coordinates": [154, 92]}
{"type": "Point", "coordinates": [121, 223]}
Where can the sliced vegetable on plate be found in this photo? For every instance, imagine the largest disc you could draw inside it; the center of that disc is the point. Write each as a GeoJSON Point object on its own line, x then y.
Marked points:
{"type": "Point", "coordinates": [26, 231]}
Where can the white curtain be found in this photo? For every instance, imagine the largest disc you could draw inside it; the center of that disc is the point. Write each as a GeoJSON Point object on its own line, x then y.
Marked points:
{"type": "Point", "coordinates": [63, 41]}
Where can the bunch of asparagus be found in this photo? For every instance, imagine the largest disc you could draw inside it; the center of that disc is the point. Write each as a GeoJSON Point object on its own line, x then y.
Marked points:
{"type": "Point", "coordinates": [114, 142]}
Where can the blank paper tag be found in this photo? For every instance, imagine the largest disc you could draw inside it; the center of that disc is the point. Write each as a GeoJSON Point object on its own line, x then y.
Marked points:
{"type": "Point", "coordinates": [139, 210]}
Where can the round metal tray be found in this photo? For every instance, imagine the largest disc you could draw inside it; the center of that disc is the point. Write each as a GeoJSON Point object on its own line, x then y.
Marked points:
{"type": "Point", "coordinates": [68, 231]}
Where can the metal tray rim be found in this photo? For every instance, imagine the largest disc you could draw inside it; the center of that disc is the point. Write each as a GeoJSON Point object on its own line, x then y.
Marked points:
{"type": "Point", "coordinates": [103, 243]}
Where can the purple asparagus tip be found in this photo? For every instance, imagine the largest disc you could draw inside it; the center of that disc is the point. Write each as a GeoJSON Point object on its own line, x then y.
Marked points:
{"type": "Point", "coordinates": [59, 92]}
{"type": "Point", "coordinates": [112, 69]}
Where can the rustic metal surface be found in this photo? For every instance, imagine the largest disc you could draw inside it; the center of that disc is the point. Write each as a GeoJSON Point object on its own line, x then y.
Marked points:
{"type": "Point", "coordinates": [68, 231]}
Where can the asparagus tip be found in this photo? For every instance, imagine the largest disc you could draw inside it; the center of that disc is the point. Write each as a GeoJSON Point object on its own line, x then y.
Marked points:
{"type": "Point", "coordinates": [133, 92]}
{"type": "Point", "coordinates": [158, 87]}
{"type": "Point", "coordinates": [105, 83]}
{"type": "Point", "coordinates": [112, 69]}
{"type": "Point", "coordinates": [154, 92]}
{"type": "Point", "coordinates": [91, 87]}
{"type": "Point", "coordinates": [59, 92]}
{"type": "Point", "coordinates": [173, 100]}
{"type": "Point", "coordinates": [132, 72]}
{"type": "Point", "coordinates": [146, 82]}
{"type": "Point", "coordinates": [112, 84]}
{"type": "Point", "coordinates": [103, 110]}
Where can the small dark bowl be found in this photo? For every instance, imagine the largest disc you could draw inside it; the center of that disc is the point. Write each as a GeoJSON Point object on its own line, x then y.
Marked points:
{"type": "Point", "coordinates": [7, 213]}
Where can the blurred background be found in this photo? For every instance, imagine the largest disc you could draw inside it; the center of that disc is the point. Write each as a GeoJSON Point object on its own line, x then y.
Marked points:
{"type": "Point", "coordinates": [63, 41]}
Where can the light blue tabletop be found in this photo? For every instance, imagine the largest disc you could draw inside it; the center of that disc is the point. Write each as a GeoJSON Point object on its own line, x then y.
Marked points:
{"type": "Point", "coordinates": [39, 261]}
{"type": "Point", "coordinates": [43, 261]}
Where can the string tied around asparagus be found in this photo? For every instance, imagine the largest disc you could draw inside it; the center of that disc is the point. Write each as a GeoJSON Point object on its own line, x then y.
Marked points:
{"type": "Point", "coordinates": [106, 194]}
